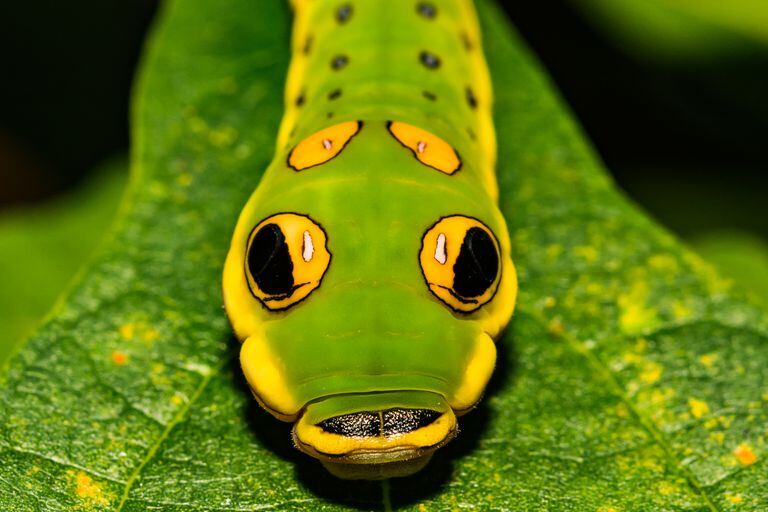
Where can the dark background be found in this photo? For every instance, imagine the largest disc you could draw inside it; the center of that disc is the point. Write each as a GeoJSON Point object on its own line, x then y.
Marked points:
{"type": "Point", "coordinates": [686, 141]}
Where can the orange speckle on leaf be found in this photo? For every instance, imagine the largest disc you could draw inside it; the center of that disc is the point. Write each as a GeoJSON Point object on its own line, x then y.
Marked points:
{"type": "Point", "coordinates": [698, 408]}
{"type": "Point", "coordinates": [744, 454]}
{"type": "Point", "coordinates": [119, 358]}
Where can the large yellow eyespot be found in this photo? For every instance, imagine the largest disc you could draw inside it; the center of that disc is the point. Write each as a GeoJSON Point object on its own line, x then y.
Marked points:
{"type": "Point", "coordinates": [428, 149]}
{"type": "Point", "coordinates": [286, 258]}
{"type": "Point", "coordinates": [322, 146]}
{"type": "Point", "coordinates": [461, 263]}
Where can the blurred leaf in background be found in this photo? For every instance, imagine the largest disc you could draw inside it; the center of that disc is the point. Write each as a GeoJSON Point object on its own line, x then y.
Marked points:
{"type": "Point", "coordinates": [43, 246]}
{"type": "Point", "coordinates": [716, 50]}
{"type": "Point", "coordinates": [740, 256]}
{"type": "Point", "coordinates": [680, 29]}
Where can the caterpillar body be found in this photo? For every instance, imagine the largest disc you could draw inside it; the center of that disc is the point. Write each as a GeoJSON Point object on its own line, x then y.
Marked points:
{"type": "Point", "coordinates": [369, 273]}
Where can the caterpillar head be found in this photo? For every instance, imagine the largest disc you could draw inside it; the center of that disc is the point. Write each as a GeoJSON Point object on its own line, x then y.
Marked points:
{"type": "Point", "coordinates": [368, 277]}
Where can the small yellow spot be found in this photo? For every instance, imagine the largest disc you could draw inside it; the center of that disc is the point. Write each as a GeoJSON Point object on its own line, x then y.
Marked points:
{"type": "Point", "coordinates": [127, 330]}
{"type": "Point", "coordinates": [665, 262]}
{"type": "Point", "coordinates": [667, 488]}
{"type": "Point", "coordinates": [708, 359]}
{"type": "Point", "coordinates": [184, 179]}
{"type": "Point", "coordinates": [150, 334]}
{"type": "Point", "coordinates": [636, 315]}
{"type": "Point", "coordinates": [555, 328]}
{"type": "Point", "coordinates": [119, 358]}
{"type": "Point", "coordinates": [422, 507]}
{"type": "Point", "coordinates": [177, 399]}
{"type": "Point", "coordinates": [698, 408]}
{"type": "Point", "coordinates": [88, 490]}
{"type": "Point", "coordinates": [223, 137]}
{"type": "Point", "coordinates": [587, 253]}
{"type": "Point", "coordinates": [651, 373]}
{"type": "Point", "coordinates": [553, 252]}
{"type": "Point", "coordinates": [549, 302]}
{"type": "Point", "coordinates": [765, 396]}
{"type": "Point", "coordinates": [745, 455]}
{"type": "Point", "coordinates": [734, 498]}
{"type": "Point", "coordinates": [717, 437]}
{"type": "Point", "coordinates": [681, 311]}
{"type": "Point", "coordinates": [607, 509]}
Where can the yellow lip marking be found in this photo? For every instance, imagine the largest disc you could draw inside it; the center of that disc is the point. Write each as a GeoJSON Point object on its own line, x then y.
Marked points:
{"type": "Point", "coordinates": [476, 375]}
{"type": "Point", "coordinates": [313, 439]}
{"type": "Point", "coordinates": [264, 375]}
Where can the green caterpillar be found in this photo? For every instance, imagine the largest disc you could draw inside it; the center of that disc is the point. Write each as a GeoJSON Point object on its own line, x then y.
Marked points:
{"type": "Point", "coordinates": [370, 272]}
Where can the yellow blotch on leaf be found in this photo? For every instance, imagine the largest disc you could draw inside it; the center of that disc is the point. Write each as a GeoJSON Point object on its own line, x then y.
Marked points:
{"type": "Point", "coordinates": [635, 314]}
{"type": "Point", "coordinates": [745, 455]}
{"type": "Point", "coordinates": [88, 490]}
{"type": "Point", "coordinates": [708, 360]}
{"type": "Point", "coordinates": [651, 373]}
{"type": "Point", "coordinates": [127, 331]}
{"type": "Point", "coordinates": [587, 253]}
{"type": "Point", "coordinates": [555, 328]}
{"type": "Point", "coordinates": [667, 488]}
{"type": "Point", "coordinates": [734, 498]}
{"type": "Point", "coordinates": [698, 408]}
{"type": "Point", "coordinates": [664, 262]}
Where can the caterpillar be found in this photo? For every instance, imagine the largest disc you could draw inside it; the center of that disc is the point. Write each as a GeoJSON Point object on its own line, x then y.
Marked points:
{"type": "Point", "coordinates": [369, 273]}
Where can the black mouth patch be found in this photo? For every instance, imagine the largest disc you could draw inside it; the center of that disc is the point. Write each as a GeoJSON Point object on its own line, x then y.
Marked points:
{"type": "Point", "coordinates": [383, 423]}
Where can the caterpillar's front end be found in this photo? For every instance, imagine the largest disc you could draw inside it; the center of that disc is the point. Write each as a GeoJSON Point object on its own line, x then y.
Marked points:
{"type": "Point", "coordinates": [370, 272]}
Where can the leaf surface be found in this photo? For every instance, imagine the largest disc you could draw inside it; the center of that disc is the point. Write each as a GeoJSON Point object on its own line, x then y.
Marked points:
{"type": "Point", "coordinates": [631, 378]}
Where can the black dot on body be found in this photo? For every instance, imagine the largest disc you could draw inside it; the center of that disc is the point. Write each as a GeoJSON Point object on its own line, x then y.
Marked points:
{"type": "Point", "coordinates": [307, 45]}
{"type": "Point", "coordinates": [429, 95]}
{"type": "Point", "coordinates": [300, 99]}
{"type": "Point", "coordinates": [471, 99]}
{"type": "Point", "coordinates": [343, 13]}
{"type": "Point", "coordinates": [269, 261]}
{"type": "Point", "coordinates": [466, 41]}
{"type": "Point", "coordinates": [334, 94]}
{"type": "Point", "coordinates": [426, 9]}
{"type": "Point", "coordinates": [477, 264]}
{"type": "Point", "coordinates": [429, 60]}
{"type": "Point", "coordinates": [339, 61]}
{"type": "Point", "coordinates": [329, 115]}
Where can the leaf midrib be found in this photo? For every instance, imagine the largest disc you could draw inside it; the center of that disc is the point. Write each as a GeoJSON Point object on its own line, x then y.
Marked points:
{"type": "Point", "coordinates": [178, 418]}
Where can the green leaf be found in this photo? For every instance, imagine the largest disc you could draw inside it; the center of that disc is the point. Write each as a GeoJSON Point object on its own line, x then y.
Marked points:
{"type": "Point", "coordinates": [740, 256]}
{"type": "Point", "coordinates": [69, 227]}
{"type": "Point", "coordinates": [681, 30]}
{"type": "Point", "coordinates": [632, 379]}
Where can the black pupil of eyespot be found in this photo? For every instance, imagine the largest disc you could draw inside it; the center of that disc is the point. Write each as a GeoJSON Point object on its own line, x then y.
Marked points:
{"type": "Point", "coordinates": [269, 261]}
{"type": "Point", "coordinates": [477, 265]}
